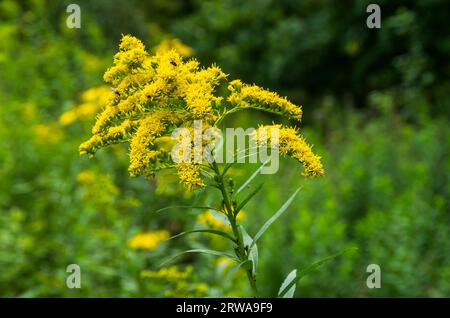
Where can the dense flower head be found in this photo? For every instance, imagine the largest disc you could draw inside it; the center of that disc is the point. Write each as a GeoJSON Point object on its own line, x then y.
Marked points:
{"type": "Point", "coordinates": [152, 95]}
{"type": "Point", "coordinates": [252, 96]}
{"type": "Point", "coordinates": [189, 174]}
{"type": "Point", "coordinates": [291, 143]}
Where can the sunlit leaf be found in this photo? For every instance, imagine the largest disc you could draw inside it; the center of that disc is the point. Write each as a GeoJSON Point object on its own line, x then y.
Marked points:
{"type": "Point", "coordinates": [289, 278]}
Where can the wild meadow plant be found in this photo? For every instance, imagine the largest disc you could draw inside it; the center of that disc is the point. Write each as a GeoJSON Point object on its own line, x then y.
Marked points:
{"type": "Point", "coordinates": [156, 104]}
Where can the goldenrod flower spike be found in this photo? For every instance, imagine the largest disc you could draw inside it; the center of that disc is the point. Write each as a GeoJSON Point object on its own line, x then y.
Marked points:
{"type": "Point", "coordinates": [252, 96]}
{"type": "Point", "coordinates": [129, 59]}
{"type": "Point", "coordinates": [154, 94]}
{"type": "Point", "coordinates": [198, 93]}
{"type": "Point", "coordinates": [150, 128]}
{"type": "Point", "coordinates": [292, 144]}
{"type": "Point", "coordinates": [189, 174]}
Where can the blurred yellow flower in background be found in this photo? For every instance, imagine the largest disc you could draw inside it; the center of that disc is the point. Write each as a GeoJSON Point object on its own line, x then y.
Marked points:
{"type": "Point", "coordinates": [92, 63]}
{"type": "Point", "coordinates": [224, 262]}
{"type": "Point", "coordinates": [208, 219]}
{"type": "Point", "coordinates": [148, 240]}
{"type": "Point", "coordinates": [169, 273]}
{"type": "Point", "coordinates": [86, 177]}
{"type": "Point", "coordinates": [174, 44]}
{"type": "Point", "coordinates": [92, 100]}
{"type": "Point", "coordinates": [98, 189]}
{"type": "Point", "coordinates": [47, 133]}
{"type": "Point", "coordinates": [29, 111]}
{"type": "Point", "coordinates": [178, 280]}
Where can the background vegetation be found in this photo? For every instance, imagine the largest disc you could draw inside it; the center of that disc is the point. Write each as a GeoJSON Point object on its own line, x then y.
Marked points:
{"type": "Point", "coordinates": [376, 105]}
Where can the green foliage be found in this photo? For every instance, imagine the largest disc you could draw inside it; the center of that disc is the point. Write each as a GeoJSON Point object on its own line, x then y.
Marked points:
{"type": "Point", "coordinates": [311, 48]}
{"type": "Point", "coordinates": [379, 103]}
{"type": "Point", "coordinates": [386, 191]}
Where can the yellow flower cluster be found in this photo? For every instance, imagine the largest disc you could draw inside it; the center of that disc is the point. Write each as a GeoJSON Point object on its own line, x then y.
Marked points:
{"type": "Point", "coordinates": [189, 174]}
{"type": "Point", "coordinates": [148, 240]}
{"type": "Point", "coordinates": [155, 94]}
{"type": "Point", "coordinates": [252, 96]}
{"type": "Point", "coordinates": [91, 102]}
{"type": "Point", "coordinates": [142, 156]}
{"type": "Point", "coordinates": [292, 144]}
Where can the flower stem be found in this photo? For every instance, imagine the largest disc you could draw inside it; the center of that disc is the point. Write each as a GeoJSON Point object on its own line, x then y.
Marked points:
{"type": "Point", "coordinates": [230, 212]}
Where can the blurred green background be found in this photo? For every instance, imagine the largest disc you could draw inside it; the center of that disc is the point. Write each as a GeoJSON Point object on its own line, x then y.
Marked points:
{"type": "Point", "coordinates": [376, 105]}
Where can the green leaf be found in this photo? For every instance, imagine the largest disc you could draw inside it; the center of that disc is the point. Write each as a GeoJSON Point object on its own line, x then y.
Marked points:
{"type": "Point", "coordinates": [227, 167]}
{"type": "Point", "coordinates": [312, 267]}
{"type": "Point", "coordinates": [235, 268]}
{"type": "Point", "coordinates": [244, 202]}
{"type": "Point", "coordinates": [253, 176]}
{"type": "Point", "coordinates": [289, 278]}
{"type": "Point", "coordinates": [187, 207]}
{"type": "Point", "coordinates": [220, 216]}
{"type": "Point", "coordinates": [203, 251]}
{"type": "Point", "coordinates": [235, 158]}
{"type": "Point", "coordinates": [253, 249]}
{"type": "Point", "coordinates": [275, 217]}
{"type": "Point", "coordinates": [216, 232]}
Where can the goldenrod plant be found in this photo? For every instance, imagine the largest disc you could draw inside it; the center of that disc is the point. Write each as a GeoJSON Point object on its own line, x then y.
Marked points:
{"type": "Point", "coordinates": [154, 95]}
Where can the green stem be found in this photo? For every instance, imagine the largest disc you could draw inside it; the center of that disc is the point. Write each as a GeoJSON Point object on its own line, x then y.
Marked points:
{"type": "Point", "coordinates": [231, 215]}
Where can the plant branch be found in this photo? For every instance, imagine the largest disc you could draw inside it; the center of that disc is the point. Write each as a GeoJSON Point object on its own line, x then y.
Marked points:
{"type": "Point", "coordinates": [231, 212]}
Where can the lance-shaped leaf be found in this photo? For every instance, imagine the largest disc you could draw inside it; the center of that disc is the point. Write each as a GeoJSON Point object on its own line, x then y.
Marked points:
{"type": "Point", "coordinates": [233, 270]}
{"type": "Point", "coordinates": [203, 251]}
{"type": "Point", "coordinates": [210, 231]}
{"type": "Point", "coordinates": [187, 207]}
{"type": "Point", "coordinates": [220, 216]}
{"type": "Point", "coordinates": [252, 248]}
{"type": "Point", "coordinates": [244, 202]}
{"type": "Point", "coordinates": [274, 217]}
{"type": "Point", "coordinates": [253, 176]}
{"type": "Point", "coordinates": [302, 273]}
{"type": "Point", "coordinates": [289, 278]}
